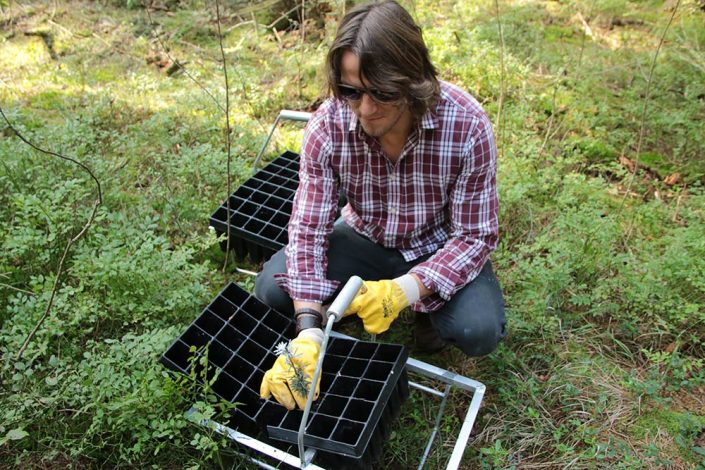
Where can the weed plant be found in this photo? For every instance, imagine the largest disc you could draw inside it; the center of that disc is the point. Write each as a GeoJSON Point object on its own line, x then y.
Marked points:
{"type": "Point", "coordinates": [602, 254]}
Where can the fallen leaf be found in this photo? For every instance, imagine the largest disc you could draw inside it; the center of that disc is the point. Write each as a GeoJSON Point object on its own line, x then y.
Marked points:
{"type": "Point", "coordinates": [672, 179]}
{"type": "Point", "coordinates": [16, 434]}
{"type": "Point", "coordinates": [626, 162]}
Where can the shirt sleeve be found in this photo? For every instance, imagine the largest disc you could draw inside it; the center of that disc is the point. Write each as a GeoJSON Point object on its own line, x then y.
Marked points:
{"type": "Point", "coordinates": [474, 217]}
{"type": "Point", "coordinates": [312, 217]}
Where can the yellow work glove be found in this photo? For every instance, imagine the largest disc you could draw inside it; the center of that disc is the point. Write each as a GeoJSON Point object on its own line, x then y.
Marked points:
{"type": "Point", "coordinates": [290, 377]}
{"type": "Point", "coordinates": [378, 303]}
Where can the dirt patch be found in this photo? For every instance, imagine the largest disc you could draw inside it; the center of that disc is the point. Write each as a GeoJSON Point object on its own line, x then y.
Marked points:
{"type": "Point", "coordinates": [692, 401]}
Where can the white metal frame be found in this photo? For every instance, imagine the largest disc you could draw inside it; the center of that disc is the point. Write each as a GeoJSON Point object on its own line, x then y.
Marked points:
{"type": "Point", "coordinates": [414, 366]}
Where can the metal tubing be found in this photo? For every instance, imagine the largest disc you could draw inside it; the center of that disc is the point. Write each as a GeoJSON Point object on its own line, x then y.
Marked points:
{"type": "Point", "coordinates": [444, 375]}
{"type": "Point", "coordinates": [335, 312]}
{"type": "Point", "coordinates": [289, 115]}
{"type": "Point", "coordinates": [441, 409]}
{"type": "Point", "coordinates": [284, 114]}
{"type": "Point", "coordinates": [426, 389]}
{"type": "Point", "coordinates": [245, 271]}
{"type": "Point", "coordinates": [312, 392]}
{"type": "Point", "coordinates": [342, 300]}
{"type": "Point", "coordinates": [259, 463]}
{"type": "Point", "coordinates": [251, 442]}
{"type": "Point", "coordinates": [464, 435]}
{"type": "Point", "coordinates": [264, 145]}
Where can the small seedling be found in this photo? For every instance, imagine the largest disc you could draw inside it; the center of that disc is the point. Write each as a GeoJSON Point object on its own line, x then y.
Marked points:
{"type": "Point", "coordinates": [299, 382]}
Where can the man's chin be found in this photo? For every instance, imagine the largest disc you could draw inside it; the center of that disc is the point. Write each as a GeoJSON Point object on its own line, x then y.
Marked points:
{"type": "Point", "coordinates": [372, 131]}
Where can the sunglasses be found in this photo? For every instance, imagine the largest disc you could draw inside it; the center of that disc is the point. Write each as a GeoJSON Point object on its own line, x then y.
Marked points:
{"type": "Point", "coordinates": [355, 94]}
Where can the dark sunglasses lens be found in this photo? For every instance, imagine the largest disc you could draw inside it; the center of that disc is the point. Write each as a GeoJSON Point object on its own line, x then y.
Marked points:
{"type": "Point", "coordinates": [383, 97]}
{"type": "Point", "coordinates": [349, 92]}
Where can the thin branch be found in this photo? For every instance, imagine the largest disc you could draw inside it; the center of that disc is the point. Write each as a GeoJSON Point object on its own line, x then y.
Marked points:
{"type": "Point", "coordinates": [550, 120]}
{"type": "Point", "coordinates": [227, 132]}
{"type": "Point", "coordinates": [303, 38]}
{"type": "Point", "coordinates": [57, 280]}
{"type": "Point", "coordinates": [501, 81]}
{"type": "Point", "coordinates": [642, 124]}
{"type": "Point", "coordinates": [282, 16]}
{"type": "Point", "coordinates": [587, 31]}
{"type": "Point", "coordinates": [54, 154]}
{"type": "Point", "coordinates": [84, 230]}
{"type": "Point", "coordinates": [254, 20]}
{"type": "Point", "coordinates": [8, 286]}
{"type": "Point", "coordinates": [178, 64]}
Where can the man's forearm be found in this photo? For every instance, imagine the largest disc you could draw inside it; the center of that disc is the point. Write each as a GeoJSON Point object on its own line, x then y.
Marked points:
{"type": "Point", "coordinates": [300, 304]}
{"type": "Point", "coordinates": [423, 290]}
{"type": "Point", "coordinates": [308, 316]}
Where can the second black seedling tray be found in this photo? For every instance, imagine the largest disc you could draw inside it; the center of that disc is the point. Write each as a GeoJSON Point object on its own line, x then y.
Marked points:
{"type": "Point", "coordinates": [362, 386]}
{"type": "Point", "coordinates": [260, 209]}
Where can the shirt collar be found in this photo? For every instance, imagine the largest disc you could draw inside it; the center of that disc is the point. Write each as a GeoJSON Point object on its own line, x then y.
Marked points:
{"type": "Point", "coordinates": [353, 120]}
{"type": "Point", "coordinates": [429, 120]}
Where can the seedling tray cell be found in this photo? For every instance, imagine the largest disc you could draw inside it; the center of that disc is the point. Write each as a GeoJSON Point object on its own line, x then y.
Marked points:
{"type": "Point", "coordinates": [362, 384]}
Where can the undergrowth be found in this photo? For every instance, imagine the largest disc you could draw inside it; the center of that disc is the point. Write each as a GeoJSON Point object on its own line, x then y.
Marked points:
{"type": "Point", "coordinates": [602, 255]}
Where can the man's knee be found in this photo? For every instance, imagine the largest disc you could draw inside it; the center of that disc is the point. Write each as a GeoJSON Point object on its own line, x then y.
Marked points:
{"type": "Point", "coordinates": [474, 320]}
{"type": "Point", "coordinates": [267, 290]}
{"type": "Point", "coordinates": [478, 335]}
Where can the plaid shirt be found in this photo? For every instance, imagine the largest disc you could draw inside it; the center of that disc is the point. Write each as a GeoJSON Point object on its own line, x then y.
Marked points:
{"type": "Point", "coordinates": [439, 198]}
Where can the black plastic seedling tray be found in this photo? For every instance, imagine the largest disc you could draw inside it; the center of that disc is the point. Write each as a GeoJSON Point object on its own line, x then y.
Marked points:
{"type": "Point", "coordinates": [260, 209]}
{"type": "Point", "coordinates": [363, 384]}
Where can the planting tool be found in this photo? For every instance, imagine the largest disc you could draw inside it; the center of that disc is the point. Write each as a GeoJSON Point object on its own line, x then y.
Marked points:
{"type": "Point", "coordinates": [334, 313]}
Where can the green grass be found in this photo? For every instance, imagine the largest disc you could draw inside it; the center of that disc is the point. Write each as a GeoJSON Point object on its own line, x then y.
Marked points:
{"type": "Point", "coordinates": [602, 269]}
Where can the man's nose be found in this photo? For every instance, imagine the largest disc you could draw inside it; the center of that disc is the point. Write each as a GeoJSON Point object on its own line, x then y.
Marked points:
{"type": "Point", "coordinates": [368, 106]}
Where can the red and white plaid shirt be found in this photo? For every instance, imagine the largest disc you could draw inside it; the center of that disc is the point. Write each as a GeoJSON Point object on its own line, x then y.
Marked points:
{"type": "Point", "coordinates": [440, 196]}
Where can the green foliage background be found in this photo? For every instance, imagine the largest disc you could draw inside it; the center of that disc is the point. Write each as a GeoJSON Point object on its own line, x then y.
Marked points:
{"type": "Point", "coordinates": [603, 267]}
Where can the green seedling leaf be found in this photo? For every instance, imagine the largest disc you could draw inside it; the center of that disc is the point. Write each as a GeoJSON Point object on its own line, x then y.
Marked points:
{"type": "Point", "coordinates": [16, 434]}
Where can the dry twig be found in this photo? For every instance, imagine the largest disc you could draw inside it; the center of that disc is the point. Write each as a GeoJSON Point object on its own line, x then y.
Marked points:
{"type": "Point", "coordinates": [501, 80]}
{"type": "Point", "coordinates": [179, 64]}
{"type": "Point", "coordinates": [227, 133]}
{"type": "Point", "coordinates": [70, 243]}
{"type": "Point", "coordinates": [642, 123]}
{"type": "Point", "coordinates": [303, 39]}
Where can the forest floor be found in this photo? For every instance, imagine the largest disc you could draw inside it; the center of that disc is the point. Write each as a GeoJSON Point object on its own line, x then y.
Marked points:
{"type": "Point", "coordinates": [599, 112]}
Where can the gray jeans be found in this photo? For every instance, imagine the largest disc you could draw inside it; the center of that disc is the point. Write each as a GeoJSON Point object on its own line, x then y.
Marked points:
{"type": "Point", "coordinates": [473, 320]}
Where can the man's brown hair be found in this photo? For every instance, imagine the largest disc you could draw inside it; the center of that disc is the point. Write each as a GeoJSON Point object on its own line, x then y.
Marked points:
{"type": "Point", "coordinates": [393, 55]}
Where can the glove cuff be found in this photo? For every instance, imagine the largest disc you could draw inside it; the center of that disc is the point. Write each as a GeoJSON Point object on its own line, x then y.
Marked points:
{"type": "Point", "coordinates": [408, 284]}
{"type": "Point", "coordinates": [314, 334]}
